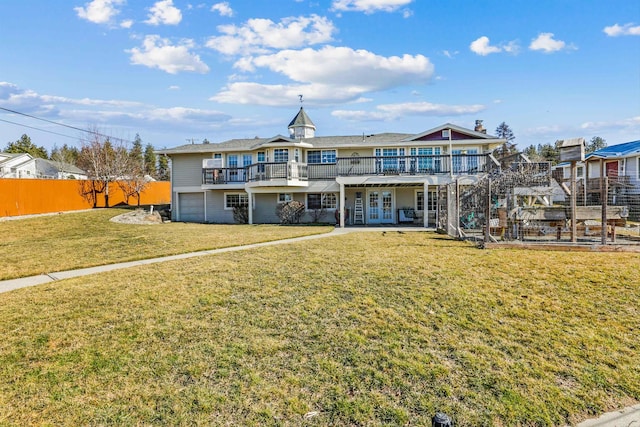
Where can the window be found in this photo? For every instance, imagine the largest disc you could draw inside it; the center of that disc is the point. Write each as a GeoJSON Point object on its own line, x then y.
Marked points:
{"type": "Point", "coordinates": [246, 159]}
{"type": "Point", "coordinates": [281, 155]}
{"type": "Point", "coordinates": [217, 156]}
{"type": "Point", "coordinates": [328, 156]}
{"type": "Point", "coordinates": [285, 197]}
{"type": "Point", "coordinates": [232, 200]}
{"type": "Point", "coordinates": [321, 201]}
{"type": "Point", "coordinates": [446, 133]}
{"type": "Point", "coordinates": [314, 156]}
{"type": "Point", "coordinates": [321, 156]}
{"type": "Point", "coordinates": [262, 156]}
{"type": "Point", "coordinates": [232, 160]}
{"type": "Point", "coordinates": [432, 200]}
{"type": "Point", "coordinates": [464, 164]}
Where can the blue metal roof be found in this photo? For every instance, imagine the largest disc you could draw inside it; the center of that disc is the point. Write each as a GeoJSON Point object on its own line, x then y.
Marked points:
{"type": "Point", "coordinates": [619, 150]}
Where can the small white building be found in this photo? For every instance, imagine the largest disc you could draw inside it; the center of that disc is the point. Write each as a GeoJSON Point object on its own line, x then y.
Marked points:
{"type": "Point", "coordinates": [23, 165]}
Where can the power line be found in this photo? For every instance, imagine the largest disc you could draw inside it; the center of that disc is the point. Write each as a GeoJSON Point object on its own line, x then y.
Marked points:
{"type": "Point", "coordinates": [59, 124]}
{"type": "Point", "coordinates": [41, 130]}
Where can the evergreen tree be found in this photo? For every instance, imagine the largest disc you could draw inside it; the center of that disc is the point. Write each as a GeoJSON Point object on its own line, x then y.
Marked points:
{"type": "Point", "coordinates": [24, 145]}
{"type": "Point", "coordinates": [150, 161]}
{"type": "Point", "coordinates": [595, 144]}
{"type": "Point", "coordinates": [66, 155]}
{"type": "Point", "coordinates": [137, 160]}
{"type": "Point", "coordinates": [504, 131]}
{"type": "Point", "coordinates": [163, 168]}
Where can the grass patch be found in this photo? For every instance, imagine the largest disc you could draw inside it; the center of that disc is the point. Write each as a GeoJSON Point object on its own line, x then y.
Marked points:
{"type": "Point", "coordinates": [363, 328]}
{"type": "Point", "coordinates": [48, 244]}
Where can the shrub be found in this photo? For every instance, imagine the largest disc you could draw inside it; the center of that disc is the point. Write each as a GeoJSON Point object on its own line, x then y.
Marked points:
{"type": "Point", "coordinates": [290, 212]}
{"type": "Point", "coordinates": [241, 214]}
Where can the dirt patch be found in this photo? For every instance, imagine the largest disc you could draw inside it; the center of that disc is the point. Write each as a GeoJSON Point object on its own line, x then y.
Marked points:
{"type": "Point", "coordinates": [139, 216]}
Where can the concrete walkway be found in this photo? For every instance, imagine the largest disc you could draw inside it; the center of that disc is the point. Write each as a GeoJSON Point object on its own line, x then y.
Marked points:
{"type": "Point", "coordinates": [23, 282]}
{"type": "Point", "coordinates": [627, 417]}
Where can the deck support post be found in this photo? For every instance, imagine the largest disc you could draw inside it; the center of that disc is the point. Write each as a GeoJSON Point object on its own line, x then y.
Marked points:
{"type": "Point", "coordinates": [342, 205]}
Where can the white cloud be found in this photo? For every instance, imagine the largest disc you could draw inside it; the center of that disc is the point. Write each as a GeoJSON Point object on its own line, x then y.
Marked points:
{"type": "Point", "coordinates": [482, 47]}
{"type": "Point", "coordinates": [127, 23]}
{"type": "Point", "coordinates": [262, 35]}
{"type": "Point", "coordinates": [340, 74]}
{"type": "Point", "coordinates": [388, 112]}
{"type": "Point", "coordinates": [622, 30]}
{"type": "Point", "coordinates": [345, 66]}
{"type": "Point", "coordinates": [448, 54]}
{"type": "Point", "coordinates": [222, 8]}
{"type": "Point", "coordinates": [164, 12]}
{"type": "Point", "coordinates": [118, 113]}
{"type": "Point", "coordinates": [174, 87]}
{"type": "Point", "coordinates": [631, 122]}
{"type": "Point", "coordinates": [369, 6]}
{"type": "Point", "coordinates": [547, 44]}
{"type": "Point", "coordinates": [157, 52]}
{"type": "Point", "coordinates": [99, 11]}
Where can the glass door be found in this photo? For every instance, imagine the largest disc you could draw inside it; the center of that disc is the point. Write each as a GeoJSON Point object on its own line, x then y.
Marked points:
{"type": "Point", "coordinates": [380, 207]}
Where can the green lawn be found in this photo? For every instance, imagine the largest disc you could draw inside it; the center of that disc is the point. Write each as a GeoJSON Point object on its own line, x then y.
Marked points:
{"type": "Point", "coordinates": [363, 328]}
{"type": "Point", "coordinates": [48, 244]}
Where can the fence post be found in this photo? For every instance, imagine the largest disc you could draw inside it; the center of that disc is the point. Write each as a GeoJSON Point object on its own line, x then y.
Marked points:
{"type": "Point", "coordinates": [604, 194]}
{"type": "Point", "coordinates": [487, 220]}
{"type": "Point", "coordinates": [574, 228]}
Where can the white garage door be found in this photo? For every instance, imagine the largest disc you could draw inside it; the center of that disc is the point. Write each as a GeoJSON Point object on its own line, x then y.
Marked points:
{"type": "Point", "coordinates": [191, 207]}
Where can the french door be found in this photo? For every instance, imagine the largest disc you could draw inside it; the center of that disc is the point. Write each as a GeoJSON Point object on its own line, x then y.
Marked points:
{"type": "Point", "coordinates": [380, 207]}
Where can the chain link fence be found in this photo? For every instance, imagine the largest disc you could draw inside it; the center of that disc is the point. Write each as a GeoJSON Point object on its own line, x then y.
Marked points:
{"type": "Point", "coordinates": [526, 202]}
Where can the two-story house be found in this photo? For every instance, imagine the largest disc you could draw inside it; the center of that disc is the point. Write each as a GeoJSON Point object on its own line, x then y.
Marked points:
{"type": "Point", "coordinates": [359, 179]}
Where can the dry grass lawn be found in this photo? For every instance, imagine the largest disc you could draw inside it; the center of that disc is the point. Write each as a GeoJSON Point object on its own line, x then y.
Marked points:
{"type": "Point", "coordinates": [48, 244]}
{"type": "Point", "coordinates": [365, 329]}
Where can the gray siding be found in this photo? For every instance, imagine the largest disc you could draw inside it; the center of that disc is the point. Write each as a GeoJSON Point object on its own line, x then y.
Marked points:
{"type": "Point", "coordinates": [265, 212]}
{"type": "Point", "coordinates": [215, 208]}
{"type": "Point", "coordinates": [187, 169]}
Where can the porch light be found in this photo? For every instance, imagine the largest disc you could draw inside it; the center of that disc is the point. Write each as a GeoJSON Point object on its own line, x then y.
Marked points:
{"type": "Point", "coordinates": [441, 420]}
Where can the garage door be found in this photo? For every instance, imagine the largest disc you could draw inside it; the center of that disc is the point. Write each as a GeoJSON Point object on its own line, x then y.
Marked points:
{"type": "Point", "coordinates": [191, 207]}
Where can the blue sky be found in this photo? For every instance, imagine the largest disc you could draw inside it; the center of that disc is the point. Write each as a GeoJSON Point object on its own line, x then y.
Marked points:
{"type": "Point", "coordinates": [173, 70]}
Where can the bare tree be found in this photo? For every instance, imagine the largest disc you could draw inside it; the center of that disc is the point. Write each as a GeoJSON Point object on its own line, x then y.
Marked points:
{"type": "Point", "coordinates": [134, 181]}
{"type": "Point", "coordinates": [104, 163]}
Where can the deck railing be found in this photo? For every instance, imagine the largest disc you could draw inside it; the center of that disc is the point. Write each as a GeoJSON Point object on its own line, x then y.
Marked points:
{"type": "Point", "coordinates": [458, 164]}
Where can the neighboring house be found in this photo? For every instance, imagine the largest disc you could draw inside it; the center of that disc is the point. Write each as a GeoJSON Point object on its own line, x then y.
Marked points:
{"type": "Point", "coordinates": [617, 161]}
{"type": "Point", "coordinates": [380, 179]}
{"type": "Point", "coordinates": [25, 166]}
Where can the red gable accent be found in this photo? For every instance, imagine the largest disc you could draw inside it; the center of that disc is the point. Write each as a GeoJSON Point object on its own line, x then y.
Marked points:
{"type": "Point", "coordinates": [437, 136]}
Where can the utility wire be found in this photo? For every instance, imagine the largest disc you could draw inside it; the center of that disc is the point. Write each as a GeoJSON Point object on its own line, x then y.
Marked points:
{"type": "Point", "coordinates": [41, 130]}
{"type": "Point", "coordinates": [59, 124]}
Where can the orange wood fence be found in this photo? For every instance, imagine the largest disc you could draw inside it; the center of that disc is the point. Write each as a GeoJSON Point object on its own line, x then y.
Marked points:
{"type": "Point", "coordinates": [34, 196]}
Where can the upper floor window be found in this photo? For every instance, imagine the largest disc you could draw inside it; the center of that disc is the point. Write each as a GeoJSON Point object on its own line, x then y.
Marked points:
{"type": "Point", "coordinates": [446, 133]}
{"type": "Point", "coordinates": [232, 160]}
{"type": "Point", "coordinates": [246, 159]}
{"type": "Point", "coordinates": [321, 156]}
{"type": "Point", "coordinates": [281, 155]}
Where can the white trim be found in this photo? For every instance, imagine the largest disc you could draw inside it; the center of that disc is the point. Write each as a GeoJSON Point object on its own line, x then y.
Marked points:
{"type": "Point", "coordinates": [240, 193]}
